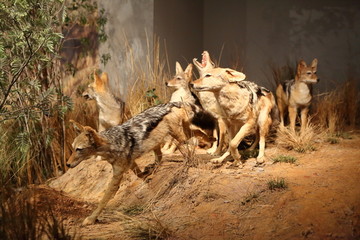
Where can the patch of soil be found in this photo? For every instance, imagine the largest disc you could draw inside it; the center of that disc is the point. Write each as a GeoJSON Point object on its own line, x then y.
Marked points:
{"type": "Point", "coordinates": [321, 201]}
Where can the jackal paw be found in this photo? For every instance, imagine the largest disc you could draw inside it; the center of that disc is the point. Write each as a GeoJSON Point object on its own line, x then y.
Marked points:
{"type": "Point", "coordinates": [168, 151]}
{"type": "Point", "coordinates": [88, 221]}
{"type": "Point", "coordinates": [236, 165]}
{"type": "Point", "coordinates": [210, 151]}
{"type": "Point", "coordinates": [148, 170]}
{"type": "Point", "coordinates": [216, 160]}
{"type": "Point", "coordinates": [260, 161]}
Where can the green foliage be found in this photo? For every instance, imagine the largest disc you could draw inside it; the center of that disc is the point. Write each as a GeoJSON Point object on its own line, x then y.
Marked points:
{"type": "Point", "coordinates": [152, 98]}
{"type": "Point", "coordinates": [284, 159]}
{"type": "Point", "coordinates": [278, 183]}
{"type": "Point", "coordinates": [32, 105]}
{"type": "Point", "coordinates": [105, 58]}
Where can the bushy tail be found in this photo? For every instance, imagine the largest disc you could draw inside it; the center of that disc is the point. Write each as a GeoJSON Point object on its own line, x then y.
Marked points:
{"type": "Point", "coordinates": [198, 116]}
{"type": "Point", "coordinates": [203, 119]}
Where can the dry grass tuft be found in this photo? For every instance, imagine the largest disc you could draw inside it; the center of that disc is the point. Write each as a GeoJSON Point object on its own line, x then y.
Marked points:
{"type": "Point", "coordinates": [146, 228]}
{"type": "Point", "coordinates": [299, 141]}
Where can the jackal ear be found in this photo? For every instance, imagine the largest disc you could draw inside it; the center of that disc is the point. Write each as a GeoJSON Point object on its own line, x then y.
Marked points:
{"type": "Point", "coordinates": [206, 61]}
{"type": "Point", "coordinates": [206, 58]}
{"type": "Point", "coordinates": [104, 77]}
{"type": "Point", "coordinates": [314, 64]}
{"type": "Point", "coordinates": [77, 126]}
{"type": "Point", "coordinates": [188, 71]}
{"type": "Point", "coordinates": [178, 68]}
{"type": "Point", "coordinates": [99, 83]}
{"type": "Point", "coordinates": [301, 65]}
{"type": "Point", "coordinates": [234, 76]}
{"type": "Point", "coordinates": [94, 137]}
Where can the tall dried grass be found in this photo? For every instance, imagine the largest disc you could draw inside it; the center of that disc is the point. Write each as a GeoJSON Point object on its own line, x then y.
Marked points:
{"type": "Point", "coordinates": [86, 113]}
{"type": "Point", "coordinates": [148, 86]}
{"type": "Point", "coordinates": [337, 110]}
{"type": "Point", "coordinates": [281, 73]}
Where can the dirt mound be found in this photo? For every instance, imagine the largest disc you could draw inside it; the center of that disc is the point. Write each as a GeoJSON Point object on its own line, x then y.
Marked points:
{"type": "Point", "coordinates": [321, 201]}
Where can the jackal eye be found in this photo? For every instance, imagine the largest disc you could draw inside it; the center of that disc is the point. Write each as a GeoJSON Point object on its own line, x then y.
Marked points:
{"type": "Point", "coordinates": [79, 150]}
{"type": "Point", "coordinates": [208, 75]}
{"type": "Point", "coordinates": [308, 73]}
{"type": "Point", "coordinates": [178, 78]}
{"type": "Point", "coordinates": [314, 72]}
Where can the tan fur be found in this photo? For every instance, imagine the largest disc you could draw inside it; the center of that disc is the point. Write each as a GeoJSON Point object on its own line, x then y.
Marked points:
{"type": "Point", "coordinates": [90, 143]}
{"type": "Point", "coordinates": [299, 95]}
{"type": "Point", "coordinates": [111, 110]}
{"type": "Point", "coordinates": [241, 116]}
{"type": "Point", "coordinates": [180, 82]}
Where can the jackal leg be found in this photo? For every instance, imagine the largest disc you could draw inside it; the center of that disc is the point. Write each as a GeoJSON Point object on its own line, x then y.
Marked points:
{"type": "Point", "coordinates": [292, 116]}
{"type": "Point", "coordinates": [169, 147]}
{"type": "Point", "coordinates": [135, 168]}
{"type": "Point", "coordinates": [158, 154]}
{"type": "Point", "coordinates": [234, 143]}
{"type": "Point", "coordinates": [281, 103]}
{"type": "Point", "coordinates": [281, 108]}
{"type": "Point", "coordinates": [304, 114]}
{"type": "Point", "coordinates": [215, 144]}
{"type": "Point", "coordinates": [149, 169]}
{"type": "Point", "coordinates": [222, 132]}
{"type": "Point", "coordinates": [264, 123]}
{"type": "Point", "coordinates": [110, 192]}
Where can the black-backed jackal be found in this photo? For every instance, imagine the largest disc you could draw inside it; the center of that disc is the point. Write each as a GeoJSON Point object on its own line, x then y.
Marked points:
{"type": "Point", "coordinates": [111, 109]}
{"type": "Point", "coordinates": [296, 94]}
{"type": "Point", "coordinates": [122, 144]}
{"type": "Point", "coordinates": [246, 107]}
{"type": "Point", "coordinates": [209, 103]}
{"type": "Point", "coordinates": [180, 84]}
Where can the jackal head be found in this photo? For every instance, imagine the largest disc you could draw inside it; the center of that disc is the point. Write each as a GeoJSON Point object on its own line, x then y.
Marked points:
{"type": "Point", "coordinates": [307, 74]}
{"type": "Point", "coordinates": [216, 78]}
{"type": "Point", "coordinates": [181, 78]}
{"type": "Point", "coordinates": [205, 65]}
{"type": "Point", "coordinates": [99, 85]}
{"type": "Point", "coordinates": [85, 145]}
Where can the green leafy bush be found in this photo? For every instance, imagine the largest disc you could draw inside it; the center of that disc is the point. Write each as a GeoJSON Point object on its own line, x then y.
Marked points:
{"type": "Point", "coordinates": [32, 104]}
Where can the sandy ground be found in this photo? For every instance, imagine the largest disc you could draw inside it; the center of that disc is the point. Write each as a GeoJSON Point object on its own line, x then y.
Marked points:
{"type": "Point", "coordinates": [321, 201]}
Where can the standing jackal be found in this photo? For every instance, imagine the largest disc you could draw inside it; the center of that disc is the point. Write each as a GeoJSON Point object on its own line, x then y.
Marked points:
{"type": "Point", "coordinates": [111, 109]}
{"type": "Point", "coordinates": [296, 94]}
{"type": "Point", "coordinates": [122, 144]}
{"type": "Point", "coordinates": [209, 103]}
{"type": "Point", "coordinates": [180, 82]}
{"type": "Point", "coordinates": [246, 107]}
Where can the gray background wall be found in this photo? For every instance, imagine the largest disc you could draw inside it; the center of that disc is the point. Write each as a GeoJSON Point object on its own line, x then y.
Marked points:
{"type": "Point", "coordinates": [244, 34]}
{"type": "Point", "coordinates": [130, 31]}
